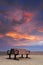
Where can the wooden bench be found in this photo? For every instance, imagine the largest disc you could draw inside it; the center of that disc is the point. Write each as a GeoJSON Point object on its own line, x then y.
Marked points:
{"type": "Point", "coordinates": [16, 52]}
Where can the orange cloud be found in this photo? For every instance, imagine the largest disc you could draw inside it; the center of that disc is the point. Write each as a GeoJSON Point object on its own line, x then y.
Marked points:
{"type": "Point", "coordinates": [17, 36]}
{"type": "Point", "coordinates": [20, 36]}
{"type": "Point", "coordinates": [14, 35]}
{"type": "Point", "coordinates": [27, 16]}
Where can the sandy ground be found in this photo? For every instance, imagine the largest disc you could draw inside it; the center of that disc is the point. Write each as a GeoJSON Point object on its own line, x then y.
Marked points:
{"type": "Point", "coordinates": [35, 60]}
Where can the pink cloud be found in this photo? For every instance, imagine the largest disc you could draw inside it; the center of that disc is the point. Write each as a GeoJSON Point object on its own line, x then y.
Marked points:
{"type": "Point", "coordinates": [0, 23]}
{"type": "Point", "coordinates": [1, 35]}
{"type": "Point", "coordinates": [40, 29]}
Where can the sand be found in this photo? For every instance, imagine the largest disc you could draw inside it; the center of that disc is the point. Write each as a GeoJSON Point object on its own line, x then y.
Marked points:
{"type": "Point", "coordinates": [35, 60]}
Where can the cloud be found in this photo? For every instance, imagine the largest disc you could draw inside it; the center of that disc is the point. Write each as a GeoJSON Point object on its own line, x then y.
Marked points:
{"type": "Point", "coordinates": [13, 18]}
{"type": "Point", "coordinates": [40, 29]}
{"type": "Point", "coordinates": [40, 42]}
{"type": "Point", "coordinates": [5, 26]}
{"type": "Point", "coordinates": [11, 41]}
{"type": "Point", "coordinates": [21, 24]}
{"type": "Point", "coordinates": [27, 16]}
{"type": "Point", "coordinates": [18, 14]}
{"type": "Point", "coordinates": [1, 35]}
{"type": "Point", "coordinates": [20, 44]}
{"type": "Point", "coordinates": [18, 36]}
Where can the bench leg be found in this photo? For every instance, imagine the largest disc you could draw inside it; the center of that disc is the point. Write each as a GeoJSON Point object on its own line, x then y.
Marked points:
{"type": "Point", "coordinates": [26, 55]}
{"type": "Point", "coordinates": [10, 56]}
{"type": "Point", "coordinates": [21, 55]}
{"type": "Point", "coordinates": [15, 56]}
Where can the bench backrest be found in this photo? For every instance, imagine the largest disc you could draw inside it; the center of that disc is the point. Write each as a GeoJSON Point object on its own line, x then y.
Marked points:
{"type": "Point", "coordinates": [18, 51]}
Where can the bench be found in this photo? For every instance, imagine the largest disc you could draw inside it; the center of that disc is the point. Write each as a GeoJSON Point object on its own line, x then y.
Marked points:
{"type": "Point", "coordinates": [16, 52]}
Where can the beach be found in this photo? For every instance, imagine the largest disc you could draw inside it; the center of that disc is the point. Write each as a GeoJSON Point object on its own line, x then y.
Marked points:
{"type": "Point", "coordinates": [34, 60]}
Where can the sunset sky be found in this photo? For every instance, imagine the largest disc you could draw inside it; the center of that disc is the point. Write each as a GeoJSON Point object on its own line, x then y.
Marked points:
{"type": "Point", "coordinates": [21, 24]}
